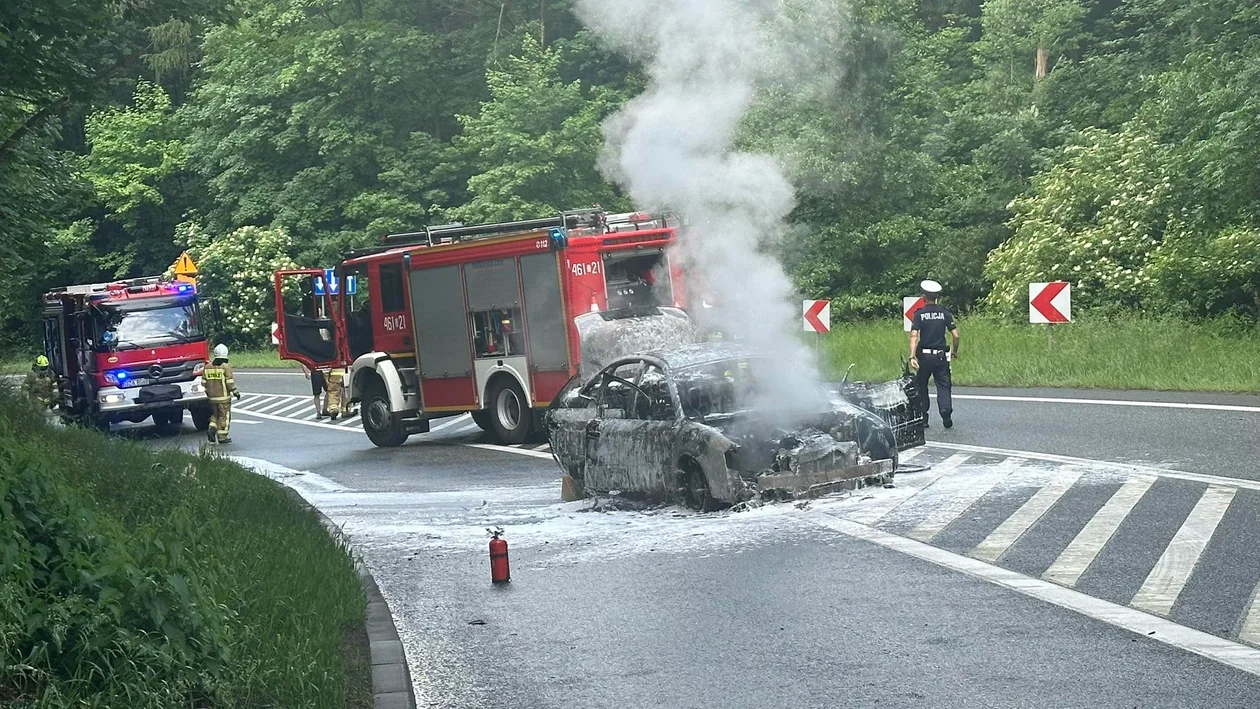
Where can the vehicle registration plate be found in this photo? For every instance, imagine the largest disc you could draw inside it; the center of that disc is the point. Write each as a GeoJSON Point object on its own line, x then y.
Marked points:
{"type": "Point", "coordinates": [140, 382]}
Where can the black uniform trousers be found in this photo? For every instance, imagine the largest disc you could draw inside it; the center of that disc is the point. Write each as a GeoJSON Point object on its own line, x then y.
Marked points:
{"type": "Point", "coordinates": [936, 367]}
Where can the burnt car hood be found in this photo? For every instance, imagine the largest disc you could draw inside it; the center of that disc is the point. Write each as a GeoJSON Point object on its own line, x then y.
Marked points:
{"type": "Point", "coordinates": [607, 336]}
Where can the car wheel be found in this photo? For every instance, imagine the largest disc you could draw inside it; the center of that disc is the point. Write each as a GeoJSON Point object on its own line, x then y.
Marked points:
{"type": "Point", "coordinates": [379, 423]}
{"type": "Point", "coordinates": [482, 419]}
{"type": "Point", "coordinates": [510, 414]}
{"type": "Point", "coordinates": [201, 417]}
{"type": "Point", "coordinates": [695, 487]}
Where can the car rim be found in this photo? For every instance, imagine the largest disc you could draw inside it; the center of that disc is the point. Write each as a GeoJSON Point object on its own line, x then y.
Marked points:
{"type": "Point", "coordinates": [378, 415]}
{"type": "Point", "coordinates": [509, 409]}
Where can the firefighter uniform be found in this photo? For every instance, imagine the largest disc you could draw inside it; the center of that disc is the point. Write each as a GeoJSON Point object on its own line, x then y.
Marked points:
{"type": "Point", "coordinates": [41, 383]}
{"type": "Point", "coordinates": [333, 395]}
{"type": "Point", "coordinates": [220, 388]}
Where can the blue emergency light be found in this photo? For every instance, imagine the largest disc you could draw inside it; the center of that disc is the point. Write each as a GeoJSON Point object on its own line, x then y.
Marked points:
{"type": "Point", "coordinates": [559, 240]}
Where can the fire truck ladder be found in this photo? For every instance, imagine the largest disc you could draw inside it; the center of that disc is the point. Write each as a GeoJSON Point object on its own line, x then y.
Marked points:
{"type": "Point", "coordinates": [91, 288]}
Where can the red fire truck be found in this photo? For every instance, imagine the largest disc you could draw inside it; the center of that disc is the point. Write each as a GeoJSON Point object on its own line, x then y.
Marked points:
{"type": "Point", "coordinates": [474, 319]}
{"type": "Point", "coordinates": [127, 350]}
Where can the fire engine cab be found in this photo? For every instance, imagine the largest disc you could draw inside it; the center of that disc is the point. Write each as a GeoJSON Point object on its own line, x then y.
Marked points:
{"type": "Point", "coordinates": [477, 319]}
{"type": "Point", "coordinates": [127, 350]}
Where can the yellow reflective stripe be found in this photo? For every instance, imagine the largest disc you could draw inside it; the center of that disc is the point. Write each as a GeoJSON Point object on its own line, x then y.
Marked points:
{"type": "Point", "coordinates": [213, 374]}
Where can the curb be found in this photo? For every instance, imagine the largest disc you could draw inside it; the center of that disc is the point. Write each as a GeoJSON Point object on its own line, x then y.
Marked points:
{"type": "Point", "coordinates": [391, 678]}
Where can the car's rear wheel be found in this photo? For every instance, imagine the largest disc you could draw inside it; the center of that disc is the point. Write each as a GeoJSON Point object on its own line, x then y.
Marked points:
{"type": "Point", "coordinates": [510, 414]}
{"type": "Point", "coordinates": [695, 486]}
{"type": "Point", "coordinates": [380, 424]}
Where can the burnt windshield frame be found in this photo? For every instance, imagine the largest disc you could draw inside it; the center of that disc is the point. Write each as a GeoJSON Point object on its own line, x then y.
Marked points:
{"type": "Point", "coordinates": [110, 316]}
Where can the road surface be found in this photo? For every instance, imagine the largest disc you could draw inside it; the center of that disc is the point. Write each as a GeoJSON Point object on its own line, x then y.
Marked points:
{"type": "Point", "coordinates": [1049, 553]}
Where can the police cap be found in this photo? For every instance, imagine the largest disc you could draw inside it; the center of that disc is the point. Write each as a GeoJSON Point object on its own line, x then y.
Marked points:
{"type": "Point", "coordinates": [930, 287]}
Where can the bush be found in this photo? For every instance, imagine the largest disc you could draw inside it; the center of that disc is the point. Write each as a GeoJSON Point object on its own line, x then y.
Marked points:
{"type": "Point", "coordinates": [153, 579]}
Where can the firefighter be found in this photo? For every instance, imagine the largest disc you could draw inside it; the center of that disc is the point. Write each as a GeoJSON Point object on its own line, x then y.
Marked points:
{"type": "Point", "coordinates": [220, 388]}
{"type": "Point", "coordinates": [332, 395]}
{"type": "Point", "coordinates": [41, 383]}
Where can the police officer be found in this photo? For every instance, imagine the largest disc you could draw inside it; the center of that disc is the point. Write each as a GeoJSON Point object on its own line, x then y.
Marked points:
{"type": "Point", "coordinates": [220, 388]}
{"type": "Point", "coordinates": [41, 383]}
{"type": "Point", "coordinates": [928, 353]}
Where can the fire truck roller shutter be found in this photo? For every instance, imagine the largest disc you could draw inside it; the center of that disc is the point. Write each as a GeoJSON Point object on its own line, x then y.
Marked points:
{"type": "Point", "coordinates": [545, 325]}
{"type": "Point", "coordinates": [441, 328]}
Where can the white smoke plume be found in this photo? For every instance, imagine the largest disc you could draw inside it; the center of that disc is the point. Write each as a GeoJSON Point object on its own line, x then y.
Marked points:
{"type": "Point", "coordinates": [674, 147]}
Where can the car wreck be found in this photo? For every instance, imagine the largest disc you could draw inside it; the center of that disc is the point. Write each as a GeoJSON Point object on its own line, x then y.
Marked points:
{"type": "Point", "coordinates": [691, 423]}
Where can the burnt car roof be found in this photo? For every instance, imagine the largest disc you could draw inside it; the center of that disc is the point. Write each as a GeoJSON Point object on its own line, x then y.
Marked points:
{"type": "Point", "coordinates": [698, 353]}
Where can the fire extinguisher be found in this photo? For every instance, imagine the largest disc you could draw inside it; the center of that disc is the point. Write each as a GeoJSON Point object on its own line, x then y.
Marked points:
{"type": "Point", "coordinates": [499, 557]}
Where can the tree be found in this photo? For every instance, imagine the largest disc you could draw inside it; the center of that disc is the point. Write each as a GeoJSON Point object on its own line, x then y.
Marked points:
{"type": "Point", "coordinates": [236, 269]}
{"type": "Point", "coordinates": [533, 146]}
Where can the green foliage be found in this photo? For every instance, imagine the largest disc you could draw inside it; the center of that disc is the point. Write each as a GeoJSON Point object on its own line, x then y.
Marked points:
{"type": "Point", "coordinates": [236, 270]}
{"type": "Point", "coordinates": [142, 579]}
{"type": "Point", "coordinates": [1093, 219]}
{"type": "Point", "coordinates": [532, 146]}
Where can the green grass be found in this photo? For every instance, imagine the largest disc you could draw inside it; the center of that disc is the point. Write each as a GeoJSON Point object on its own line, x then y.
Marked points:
{"type": "Point", "coordinates": [260, 359]}
{"type": "Point", "coordinates": [1130, 353]}
{"type": "Point", "coordinates": [149, 578]}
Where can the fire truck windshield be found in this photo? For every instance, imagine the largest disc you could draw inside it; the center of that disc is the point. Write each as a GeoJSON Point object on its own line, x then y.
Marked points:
{"type": "Point", "coordinates": [129, 327]}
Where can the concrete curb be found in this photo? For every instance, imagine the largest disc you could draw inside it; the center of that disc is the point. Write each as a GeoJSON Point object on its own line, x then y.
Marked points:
{"type": "Point", "coordinates": [391, 678]}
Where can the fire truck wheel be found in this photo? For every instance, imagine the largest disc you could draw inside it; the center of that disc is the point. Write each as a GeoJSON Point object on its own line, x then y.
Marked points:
{"type": "Point", "coordinates": [510, 414]}
{"type": "Point", "coordinates": [201, 417]}
{"type": "Point", "coordinates": [379, 423]}
{"type": "Point", "coordinates": [482, 419]}
{"type": "Point", "coordinates": [169, 420]}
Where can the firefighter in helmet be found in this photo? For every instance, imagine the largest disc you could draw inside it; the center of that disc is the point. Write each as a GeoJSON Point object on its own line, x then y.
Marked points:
{"type": "Point", "coordinates": [41, 383]}
{"type": "Point", "coordinates": [220, 388]}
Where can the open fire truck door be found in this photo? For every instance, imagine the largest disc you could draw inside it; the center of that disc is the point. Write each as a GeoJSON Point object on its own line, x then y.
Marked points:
{"type": "Point", "coordinates": [311, 330]}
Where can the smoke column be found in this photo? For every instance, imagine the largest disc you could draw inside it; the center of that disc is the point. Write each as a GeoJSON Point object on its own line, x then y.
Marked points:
{"type": "Point", "coordinates": [673, 147]}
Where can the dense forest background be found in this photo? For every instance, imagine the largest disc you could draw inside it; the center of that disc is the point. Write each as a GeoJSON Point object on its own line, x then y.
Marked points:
{"type": "Point", "coordinates": [1113, 143]}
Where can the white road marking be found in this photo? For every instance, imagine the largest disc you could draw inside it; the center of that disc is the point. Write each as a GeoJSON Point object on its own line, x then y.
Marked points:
{"type": "Point", "coordinates": [1165, 631]}
{"type": "Point", "coordinates": [909, 455]}
{"type": "Point", "coordinates": [1128, 468]}
{"type": "Point", "coordinates": [906, 488]}
{"type": "Point", "coordinates": [944, 512]}
{"type": "Point", "coordinates": [450, 422]}
{"type": "Point", "coordinates": [236, 419]}
{"type": "Point", "coordinates": [1082, 550]}
{"type": "Point", "coordinates": [509, 449]}
{"type": "Point", "coordinates": [295, 406]}
{"type": "Point", "coordinates": [1111, 402]}
{"type": "Point", "coordinates": [1250, 632]}
{"type": "Point", "coordinates": [1164, 584]}
{"type": "Point", "coordinates": [271, 406]}
{"type": "Point", "coordinates": [1001, 539]}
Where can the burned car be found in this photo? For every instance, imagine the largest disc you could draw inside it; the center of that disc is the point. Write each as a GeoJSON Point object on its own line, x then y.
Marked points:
{"type": "Point", "coordinates": [697, 424]}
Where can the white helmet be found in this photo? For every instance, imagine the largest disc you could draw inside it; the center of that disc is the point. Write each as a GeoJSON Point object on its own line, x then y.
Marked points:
{"type": "Point", "coordinates": [220, 352]}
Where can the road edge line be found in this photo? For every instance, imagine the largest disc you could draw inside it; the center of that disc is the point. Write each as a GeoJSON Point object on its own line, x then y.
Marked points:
{"type": "Point", "coordinates": [1161, 630]}
{"type": "Point", "coordinates": [1112, 402]}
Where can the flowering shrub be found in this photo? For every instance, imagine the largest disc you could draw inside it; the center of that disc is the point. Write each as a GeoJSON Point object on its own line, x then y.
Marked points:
{"type": "Point", "coordinates": [1210, 276]}
{"type": "Point", "coordinates": [1094, 219]}
{"type": "Point", "coordinates": [236, 271]}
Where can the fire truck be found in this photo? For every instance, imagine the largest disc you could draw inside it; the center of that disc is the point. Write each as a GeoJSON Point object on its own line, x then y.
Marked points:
{"type": "Point", "coordinates": [473, 318]}
{"type": "Point", "coordinates": [126, 351]}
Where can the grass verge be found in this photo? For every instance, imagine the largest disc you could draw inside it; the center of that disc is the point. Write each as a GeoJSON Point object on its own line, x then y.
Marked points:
{"type": "Point", "coordinates": [1130, 353]}
{"type": "Point", "coordinates": [141, 578]}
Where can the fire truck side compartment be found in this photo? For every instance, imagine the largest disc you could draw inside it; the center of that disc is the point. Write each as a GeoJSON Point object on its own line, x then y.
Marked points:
{"type": "Point", "coordinates": [442, 342]}
{"type": "Point", "coordinates": [546, 333]}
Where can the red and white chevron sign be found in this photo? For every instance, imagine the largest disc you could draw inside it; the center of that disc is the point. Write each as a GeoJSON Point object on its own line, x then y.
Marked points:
{"type": "Point", "coordinates": [817, 315]}
{"type": "Point", "coordinates": [1050, 302]}
{"type": "Point", "coordinates": [909, 306]}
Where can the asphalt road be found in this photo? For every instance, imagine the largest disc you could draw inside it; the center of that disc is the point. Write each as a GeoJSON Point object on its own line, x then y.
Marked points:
{"type": "Point", "coordinates": [990, 579]}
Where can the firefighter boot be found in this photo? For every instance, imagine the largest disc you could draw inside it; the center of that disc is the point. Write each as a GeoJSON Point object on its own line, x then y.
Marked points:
{"type": "Point", "coordinates": [212, 433]}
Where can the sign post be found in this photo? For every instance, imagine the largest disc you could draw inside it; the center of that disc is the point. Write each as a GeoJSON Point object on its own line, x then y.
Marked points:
{"type": "Point", "coordinates": [817, 317]}
{"type": "Point", "coordinates": [1050, 304]}
{"type": "Point", "coordinates": [909, 306]}
{"type": "Point", "coordinates": [185, 270]}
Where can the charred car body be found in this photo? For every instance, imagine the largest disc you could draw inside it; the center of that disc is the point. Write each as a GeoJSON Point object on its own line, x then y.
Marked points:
{"type": "Point", "coordinates": [692, 423]}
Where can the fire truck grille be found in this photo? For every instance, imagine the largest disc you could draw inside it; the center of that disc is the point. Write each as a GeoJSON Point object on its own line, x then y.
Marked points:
{"type": "Point", "coordinates": [159, 373]}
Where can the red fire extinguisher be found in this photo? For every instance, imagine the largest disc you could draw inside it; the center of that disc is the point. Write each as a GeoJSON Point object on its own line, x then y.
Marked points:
{"type": "Point", "coordinates": [499, 558]}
